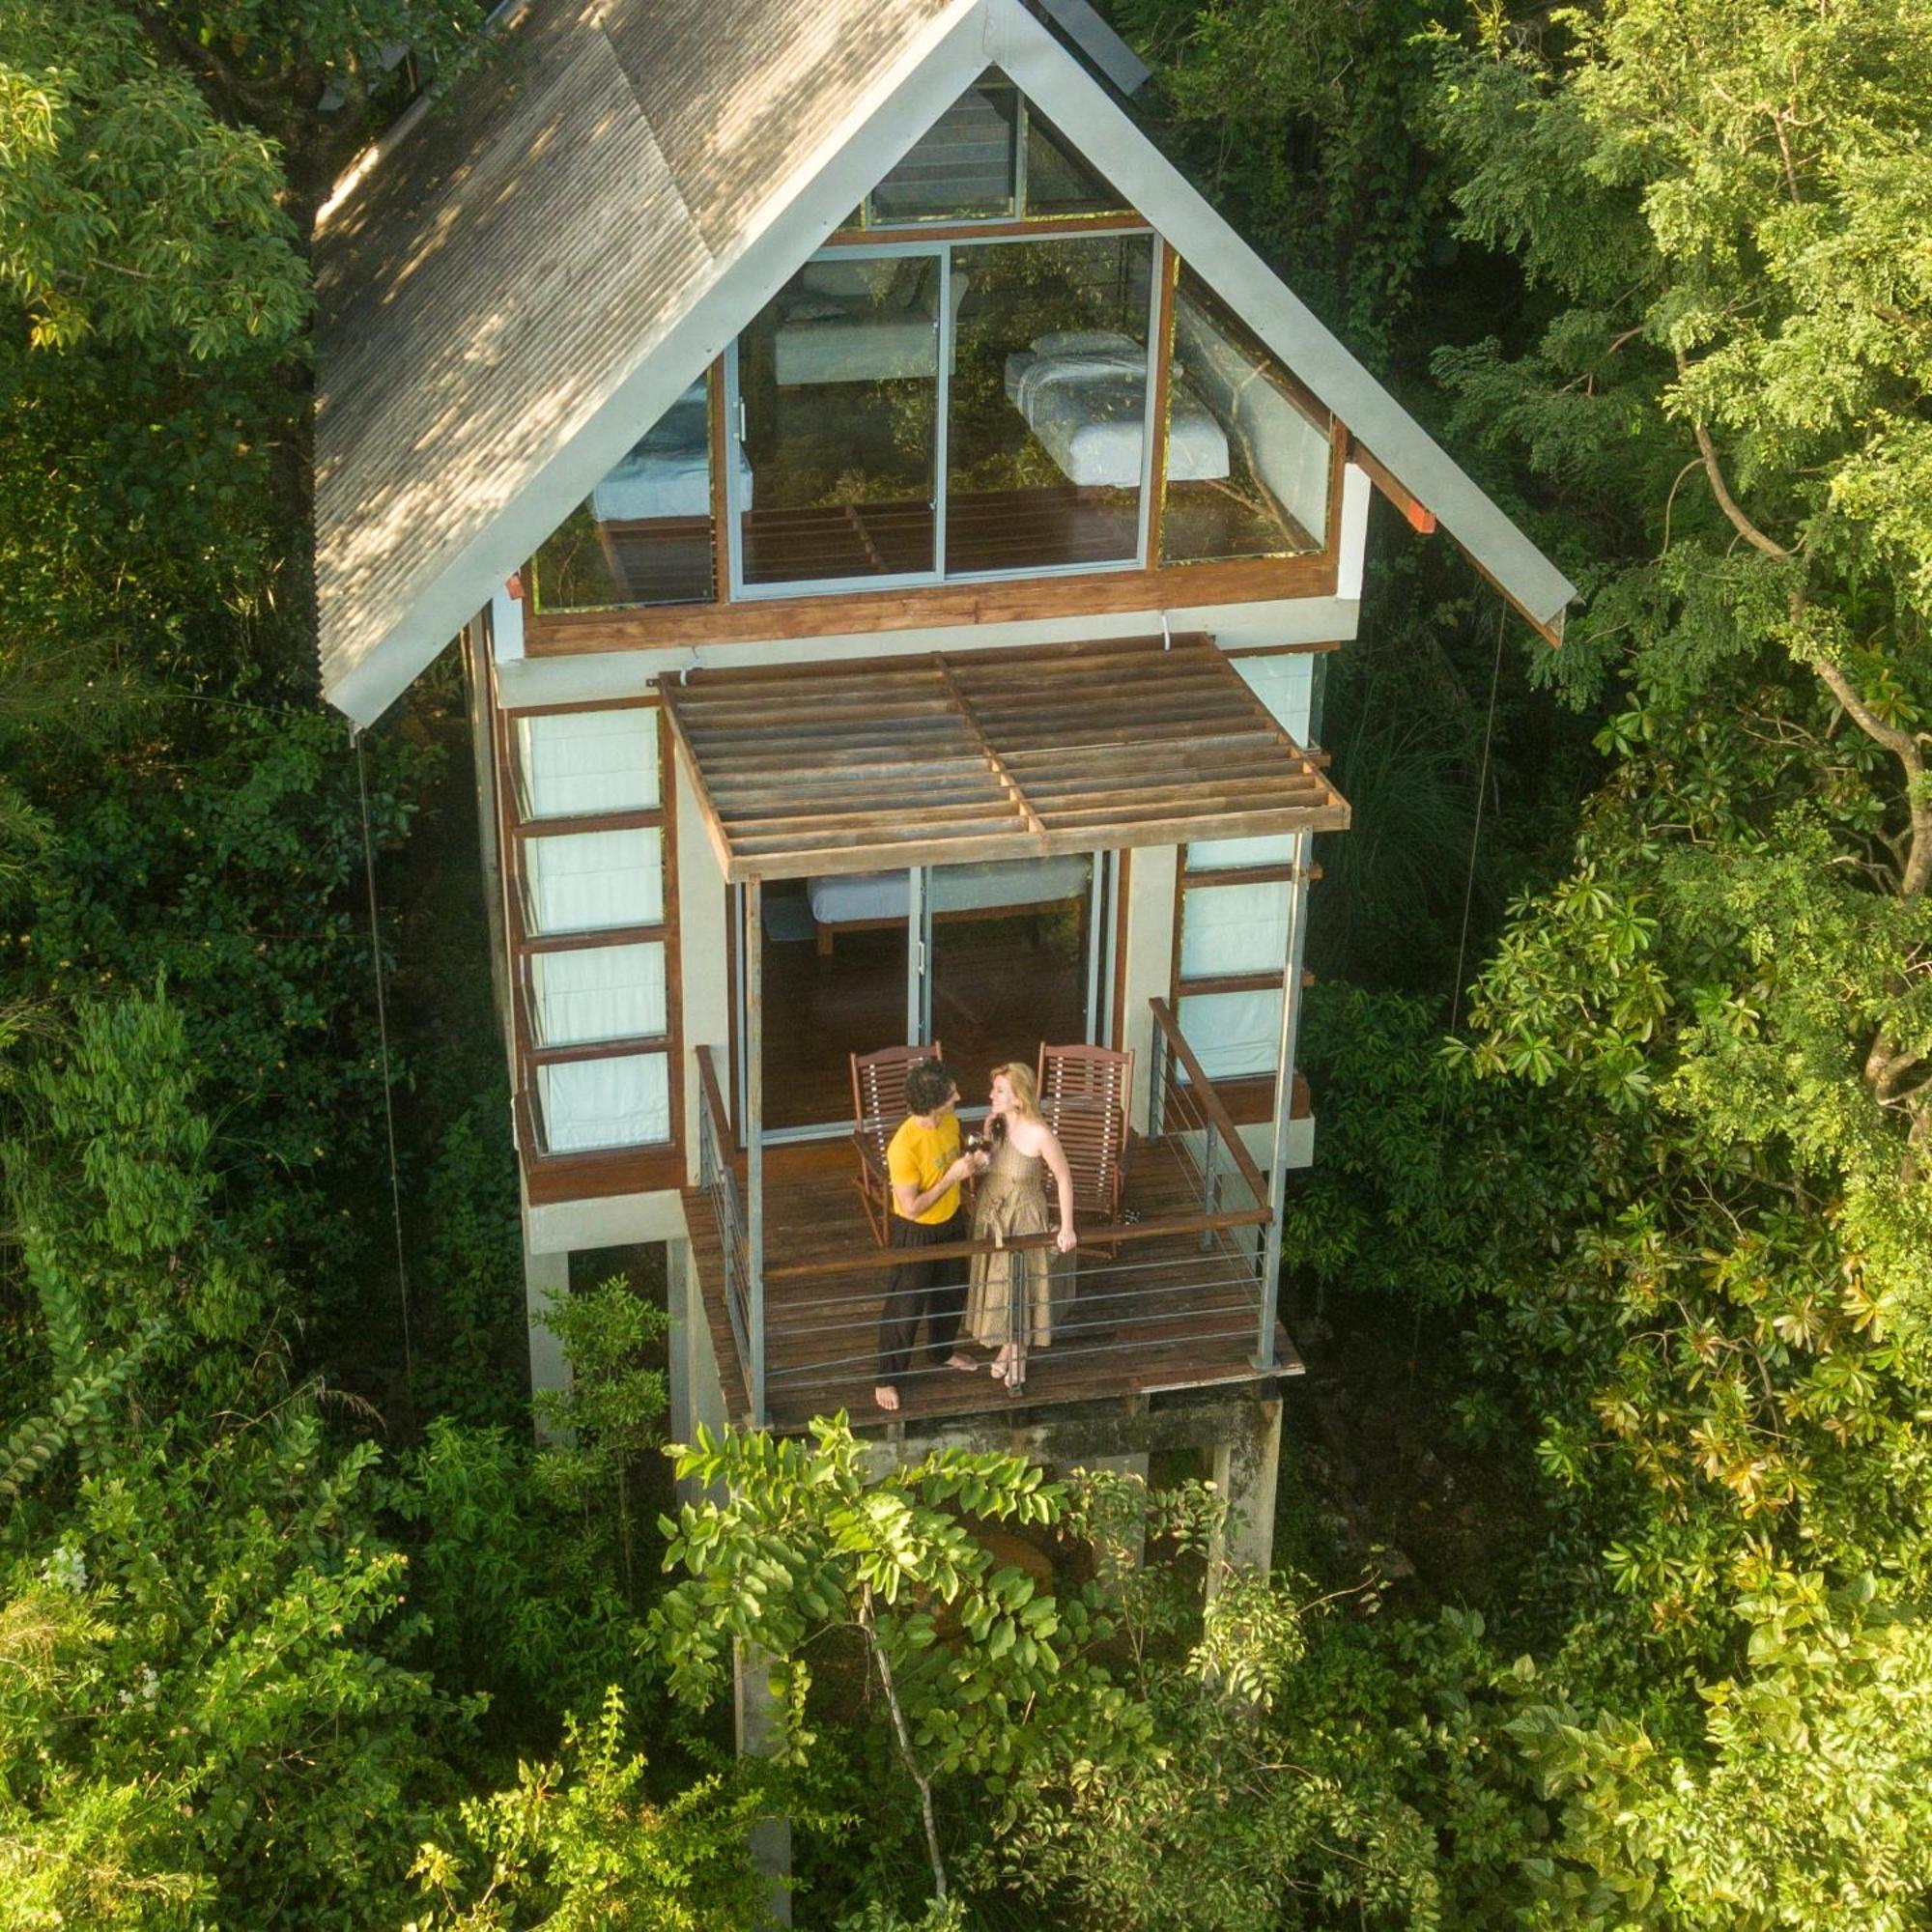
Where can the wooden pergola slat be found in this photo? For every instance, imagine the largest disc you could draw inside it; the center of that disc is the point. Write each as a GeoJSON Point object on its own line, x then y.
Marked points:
{"type": "Point", "coordinates": [805, 770]}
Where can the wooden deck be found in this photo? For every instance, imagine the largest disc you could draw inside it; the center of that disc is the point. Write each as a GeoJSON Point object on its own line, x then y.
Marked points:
{"type": "Point", "coordinates": [1161, 1313]}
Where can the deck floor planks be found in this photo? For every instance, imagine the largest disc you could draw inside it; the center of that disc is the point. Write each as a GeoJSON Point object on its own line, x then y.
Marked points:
{"type": "Point", "coordinates": [1168, 1328]}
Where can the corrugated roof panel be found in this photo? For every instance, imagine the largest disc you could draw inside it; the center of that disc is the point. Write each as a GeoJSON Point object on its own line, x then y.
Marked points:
{"type": "Point", "coordinates": [487, 287]}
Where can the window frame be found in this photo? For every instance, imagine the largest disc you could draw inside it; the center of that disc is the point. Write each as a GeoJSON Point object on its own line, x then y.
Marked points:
{"type": "Point", "coordinates": [580, 1169]}
{"type": "Point", "coordinates": [937, 242]}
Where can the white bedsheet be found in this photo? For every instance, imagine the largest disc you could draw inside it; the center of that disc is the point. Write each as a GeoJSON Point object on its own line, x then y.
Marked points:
{"type": "Point", "coordinates": [668, 471]}
{"type": "Point", "coordinates": [954, 888]}
{"type": "Point", "coordinates": [1087, 406]}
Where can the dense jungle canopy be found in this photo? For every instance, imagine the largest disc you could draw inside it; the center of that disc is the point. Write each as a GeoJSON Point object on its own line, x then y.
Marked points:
{"type": "Point", "coordinates": [1605, 1546]}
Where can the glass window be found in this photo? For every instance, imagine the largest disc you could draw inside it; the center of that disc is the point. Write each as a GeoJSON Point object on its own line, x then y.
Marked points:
{"type": "Point", "coordinates": [1046, 403]}
{"type": "Point", "coordinates": [591, 881]}
{"type": "Point", "coordinates": [963, 167]}
{"type": "Point", "coordinates": [1058, 182]}
{"type": "Point", "coordinates": [575, 763]}
{"type": "Point", "coordinates": [597, 993]}
{"type": "Point", "coordinates": [839, 382]}
{"type": "Point", "coordinates": [1247, 458]}
{"type": "Point", "coordinates": [1229, 929]}
{"type": "Point", "coordinates": [1233, 1033]}
{"type": "Point", "coordinates": [623, 1101]}
{"type": "Point", "coordinates": [644, 534]}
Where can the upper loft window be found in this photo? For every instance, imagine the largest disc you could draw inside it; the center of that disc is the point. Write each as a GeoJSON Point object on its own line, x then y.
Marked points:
{"type": "Point", "coordinates": [645, 535]}
{"type": "Point", "coordinates": [991, 156]}
{"type": "Point", "coordinates": [922, 409]}
{"type": "Point", "coordinates": [1247, 451]}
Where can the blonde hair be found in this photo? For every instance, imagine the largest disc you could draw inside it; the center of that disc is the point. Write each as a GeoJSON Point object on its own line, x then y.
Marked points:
{"type": "Point", "coordinates": [1026, 1094]}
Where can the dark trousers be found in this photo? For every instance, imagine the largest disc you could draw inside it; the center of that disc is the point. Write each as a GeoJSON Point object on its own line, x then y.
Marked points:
{"type": "Point", "coordinates": [915, 1287]}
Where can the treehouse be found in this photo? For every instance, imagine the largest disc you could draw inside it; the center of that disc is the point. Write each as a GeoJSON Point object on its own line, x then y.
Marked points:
{"type": "Point", "coordinates": [895, 530]}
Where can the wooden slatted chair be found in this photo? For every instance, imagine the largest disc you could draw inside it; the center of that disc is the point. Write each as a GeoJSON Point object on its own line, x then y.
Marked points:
{"type": "Point", "coordinates": [878, 1106]}
{"type": "Point", "coordinates": [1082, 1097]}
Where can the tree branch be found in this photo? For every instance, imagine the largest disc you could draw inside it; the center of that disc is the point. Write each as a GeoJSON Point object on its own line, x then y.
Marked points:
{"type": "Point", "coordinates": [900, 1731]}
{"type": "Point", "coordinates": [1714, 471]}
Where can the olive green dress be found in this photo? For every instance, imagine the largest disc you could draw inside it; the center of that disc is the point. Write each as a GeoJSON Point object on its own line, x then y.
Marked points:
{"type": "Point", "coordinates": [1010, 1299]}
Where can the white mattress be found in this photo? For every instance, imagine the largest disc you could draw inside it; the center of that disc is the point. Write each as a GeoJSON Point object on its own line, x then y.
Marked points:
{"type": "Point", "coordinates": [1086, 408]}
{"type": "Point", "coordinates": [1016, 882]}
{"type": "Point", "coordinates": [668, 471]}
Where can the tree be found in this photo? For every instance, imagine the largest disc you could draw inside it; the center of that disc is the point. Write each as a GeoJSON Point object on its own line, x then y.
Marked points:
{"type": "Point", "coordinates": [611, 1412]}
{"type": "Point", "coordinates": [578, 1847]}
{"type": "Point", "coordinates": [805, 1544]}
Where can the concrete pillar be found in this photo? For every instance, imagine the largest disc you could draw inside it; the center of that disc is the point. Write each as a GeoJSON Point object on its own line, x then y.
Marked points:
{"type": "Point", "coordinates": [1246, 1465]}
{"type": "Point", "coordinates": [546, 1280]}
{"type": "Point", "coordinates": [697, 1394]}
{"type": "Point", "coordinates": [755, 1711]}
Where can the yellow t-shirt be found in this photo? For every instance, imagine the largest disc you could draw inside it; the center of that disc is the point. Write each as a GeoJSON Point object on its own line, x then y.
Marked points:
{"type": "Point", "coordinates": [918, 1156]}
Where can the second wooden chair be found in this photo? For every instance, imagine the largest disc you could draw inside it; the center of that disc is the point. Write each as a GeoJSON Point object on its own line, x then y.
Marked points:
{"type": "Point", "coordinates": [878, 1106]}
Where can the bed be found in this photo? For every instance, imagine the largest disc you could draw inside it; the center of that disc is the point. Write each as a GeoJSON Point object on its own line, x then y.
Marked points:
{"type": "Point", "coordinates": [1083, 393]}
{"type": "Point", "coordinates": [668, 471]}
{"type": "Point", "coordinates": [856, 901]}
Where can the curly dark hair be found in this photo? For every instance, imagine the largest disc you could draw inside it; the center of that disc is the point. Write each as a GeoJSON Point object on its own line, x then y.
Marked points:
{"type": "Point", "coordinates": [929, 1085]}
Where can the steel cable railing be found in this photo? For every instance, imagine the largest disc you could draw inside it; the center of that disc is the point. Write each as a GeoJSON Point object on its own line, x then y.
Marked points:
{"type": "Point", "coordinates": [718, 1178]}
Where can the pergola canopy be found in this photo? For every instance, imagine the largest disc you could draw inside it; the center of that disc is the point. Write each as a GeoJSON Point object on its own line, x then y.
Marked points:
{"type": "Point", "coordinates": [869, 766]}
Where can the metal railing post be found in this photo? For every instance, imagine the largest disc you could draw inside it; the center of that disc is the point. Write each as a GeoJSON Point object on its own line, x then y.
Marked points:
{"type": "Point", "coordinates": [1206, 1178]}
{"type": "Point", "coordinates": [1284, 1103]}
{"type": "Point", "coordinates": [754, 1143]}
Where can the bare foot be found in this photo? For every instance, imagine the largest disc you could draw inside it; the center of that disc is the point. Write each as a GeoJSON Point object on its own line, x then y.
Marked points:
{"type": "Point", "coordinates": [965, 1364]}
{"type": "Point", "coordinates": [887, 1397]}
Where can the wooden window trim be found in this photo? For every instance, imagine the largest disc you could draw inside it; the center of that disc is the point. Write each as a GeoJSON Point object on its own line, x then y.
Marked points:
{"type": "Point", "coordinates": [661, 934]}
{"type": "Point", "coordinates": [1209, 877]}
{"type": "Point", "coordinates": [603, 1049]}
{"type": "Point", "coordinates": [1167, 266]}
{"type": "Point", "coordinates": [646, 818]}
{"type": "Point", "coordinates": [1210, 984]}
{"type": "Point", "coordinates": [549, 1178]}
{"type": "Point", "coordinates": [998, 228]}
{"type": "Point", "coordinates": [958, 604]}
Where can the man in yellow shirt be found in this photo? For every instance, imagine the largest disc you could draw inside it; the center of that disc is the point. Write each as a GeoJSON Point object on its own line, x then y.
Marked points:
{"type": "Point", "coordinates": [925, 1168]}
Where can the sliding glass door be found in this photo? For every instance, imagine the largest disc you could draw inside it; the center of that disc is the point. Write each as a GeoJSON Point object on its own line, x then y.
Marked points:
{"type": "Point", "coordinates": [839, 417]}
{"type": "Point", "coordinates": [909, 413]}
{"type": "Point", "coordinates": [991, 961]}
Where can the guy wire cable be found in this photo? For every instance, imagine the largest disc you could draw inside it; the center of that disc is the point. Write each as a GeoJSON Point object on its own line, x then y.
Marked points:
{"type": "Point", "coordinates": [388, 1104]}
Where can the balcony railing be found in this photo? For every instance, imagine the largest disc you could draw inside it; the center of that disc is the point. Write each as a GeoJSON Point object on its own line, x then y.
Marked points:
{"type": "Point", "coordinates": [1173, 1293]}
{"type": "Point", "coordinates": [719, 1179]}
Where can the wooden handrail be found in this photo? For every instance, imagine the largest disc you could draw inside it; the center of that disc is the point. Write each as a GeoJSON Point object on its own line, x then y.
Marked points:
{"type": "Point", "coordinates": [1211, 1103]}
{"type": "Point", "coordinates": [714, 1102]}
{"type": "Point", "coordinates": [865, 1260]}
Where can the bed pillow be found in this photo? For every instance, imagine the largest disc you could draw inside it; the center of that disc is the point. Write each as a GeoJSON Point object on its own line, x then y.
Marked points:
{"type": "Point", "coordinates": [1084, 342]}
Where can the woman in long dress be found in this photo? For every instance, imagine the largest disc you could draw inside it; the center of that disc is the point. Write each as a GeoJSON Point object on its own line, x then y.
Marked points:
{"type": "Point", "coordinates": [1010, 1303]}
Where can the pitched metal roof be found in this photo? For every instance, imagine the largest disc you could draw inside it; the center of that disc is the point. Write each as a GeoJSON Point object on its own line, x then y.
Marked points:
{"type": "Point", "coordinates": [548, 260]}
{"type": "Point", "coordinates": [805, 770]}
{"type": "Point", "coordinates": [483, 291]}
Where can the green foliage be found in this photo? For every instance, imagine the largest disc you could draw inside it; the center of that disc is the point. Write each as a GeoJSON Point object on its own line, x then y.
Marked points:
{"type": "Point", "coordinates": [244, 891]}
{"type": "Point", "coordinates": [214, 1713]}
{"type": "Point", "coordinates": [577, 1846]}
{"type": "Point", "coordinates": [610, 1413]}
{"type": "Point", "coordinates": [1304, 119]}
{"type": "Point", "coordinates": [472, 1261]}
{"type": "Point", "coordinates": [516, 1601]}
{"type": "Point", "coordinates": [127, 209]}
{"type": "Point", "coordinates": [1802, 1805]}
